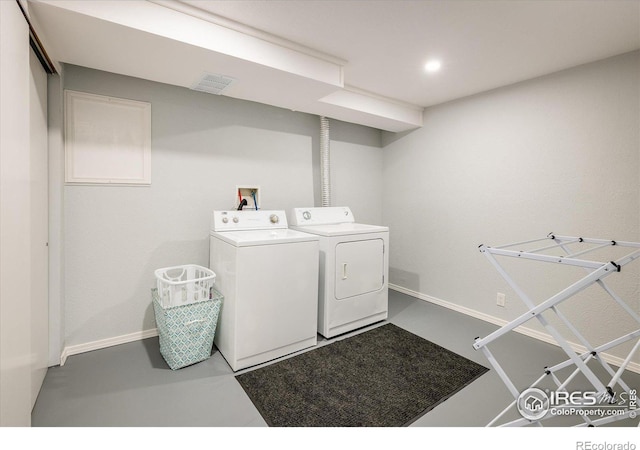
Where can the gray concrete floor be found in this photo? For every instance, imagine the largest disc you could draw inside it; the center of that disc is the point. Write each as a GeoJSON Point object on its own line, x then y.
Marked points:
{"type": "Point", "coordinates": [130, 385]}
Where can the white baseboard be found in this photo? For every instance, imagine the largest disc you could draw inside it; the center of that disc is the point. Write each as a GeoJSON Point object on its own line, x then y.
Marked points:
{"type": "Point", "coordinates": [544, 337]}
{"type": "Point", "coordinates": [104, 343]}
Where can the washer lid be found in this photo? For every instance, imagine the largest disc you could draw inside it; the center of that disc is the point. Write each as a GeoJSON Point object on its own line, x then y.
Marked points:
{"type": "Point", "coordinates": [342, 229]}
{"type": "Point", "coordinates": [263, 237]}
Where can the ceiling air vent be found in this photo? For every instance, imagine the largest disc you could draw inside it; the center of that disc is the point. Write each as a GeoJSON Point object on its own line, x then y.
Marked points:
{"type": "Point", "coordinates": [213, 83]}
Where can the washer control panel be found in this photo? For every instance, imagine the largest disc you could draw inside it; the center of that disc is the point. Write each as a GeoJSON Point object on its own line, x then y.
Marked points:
{"type": "Point", "coordinates": [248, 220]}
{"type": "Point", "coordinates": [321, 216]}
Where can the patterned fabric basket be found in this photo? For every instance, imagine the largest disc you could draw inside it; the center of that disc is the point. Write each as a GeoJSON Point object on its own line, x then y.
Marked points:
{"type": "Point", "coordinates": [186, 332]}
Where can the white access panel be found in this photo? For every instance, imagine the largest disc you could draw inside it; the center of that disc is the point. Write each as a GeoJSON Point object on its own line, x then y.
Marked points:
{"type": "Point", "coordinates": [359, 268]}
{"type": "Point", "coordinates": [107, 139]}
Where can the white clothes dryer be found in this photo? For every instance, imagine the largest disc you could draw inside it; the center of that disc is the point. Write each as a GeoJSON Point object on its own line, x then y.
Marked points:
{"type": "Point", "coordinates": [268, 275]}
{"type": "Point", "coordinates": [354, 268]}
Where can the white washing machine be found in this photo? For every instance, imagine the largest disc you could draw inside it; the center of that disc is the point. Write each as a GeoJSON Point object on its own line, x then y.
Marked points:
{"type": "Point", "coordinates": [354, 268]}
{"type": "Point", "coordinates": [268, 275]}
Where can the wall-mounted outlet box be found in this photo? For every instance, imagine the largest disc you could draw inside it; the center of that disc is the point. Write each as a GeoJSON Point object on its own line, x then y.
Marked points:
{"type": "Point", "coordinates": [501, 299]}
{"type": "Point", "coordinates": [250, 193]}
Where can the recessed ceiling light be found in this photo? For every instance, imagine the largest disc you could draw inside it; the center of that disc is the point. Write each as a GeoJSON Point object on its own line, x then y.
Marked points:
{"type": "Point", "coordinates": [433, 65]}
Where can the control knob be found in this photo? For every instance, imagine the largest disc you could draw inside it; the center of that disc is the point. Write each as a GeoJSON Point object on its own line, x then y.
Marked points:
{"type": "Point", "coordinates": [274, 218]}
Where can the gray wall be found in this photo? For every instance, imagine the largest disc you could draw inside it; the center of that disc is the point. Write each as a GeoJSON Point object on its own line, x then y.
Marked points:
{"type": "Point", "coordinates": [558, 154]}
{"type": "Point", "coordinates": [202, 147]}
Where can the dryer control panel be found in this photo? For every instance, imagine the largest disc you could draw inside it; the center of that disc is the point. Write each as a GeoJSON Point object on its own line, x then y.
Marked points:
{"type": "Point", "coordinates": [321, 216]}
{"type": "Point", "coordinates": [248, 220]}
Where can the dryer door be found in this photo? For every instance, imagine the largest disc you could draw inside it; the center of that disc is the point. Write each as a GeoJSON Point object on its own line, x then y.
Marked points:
{"type": "Point", "coordinates": [359, 267]}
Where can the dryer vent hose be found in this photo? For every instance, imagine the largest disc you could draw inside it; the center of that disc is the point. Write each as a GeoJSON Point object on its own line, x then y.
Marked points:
{"type": "Point", "coordinates": [325, 164]}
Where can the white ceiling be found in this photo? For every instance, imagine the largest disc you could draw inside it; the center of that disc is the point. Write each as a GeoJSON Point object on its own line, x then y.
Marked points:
{"type": "Point", "coordinates": [482, 44]}
{"type": "Point", "coordinates": [355, 60]}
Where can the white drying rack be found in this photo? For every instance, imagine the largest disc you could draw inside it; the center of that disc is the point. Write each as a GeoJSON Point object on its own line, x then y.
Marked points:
{"type": "Point", "coordinates": [597, 271]}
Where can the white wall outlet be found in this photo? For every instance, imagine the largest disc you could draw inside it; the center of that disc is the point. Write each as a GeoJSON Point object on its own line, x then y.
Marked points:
{"type": "Point", "coordinates": [501, 299]}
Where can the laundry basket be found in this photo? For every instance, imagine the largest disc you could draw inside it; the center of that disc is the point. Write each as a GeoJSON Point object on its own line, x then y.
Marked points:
{"type": "Point", "coordinates": [181, 285]}
{"type": "Point", "coordinates": [186, 332]}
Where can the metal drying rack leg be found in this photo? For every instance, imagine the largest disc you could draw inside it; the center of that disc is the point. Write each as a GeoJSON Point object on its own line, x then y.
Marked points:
{"type": "Point", "coordinates": [604, 393]}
